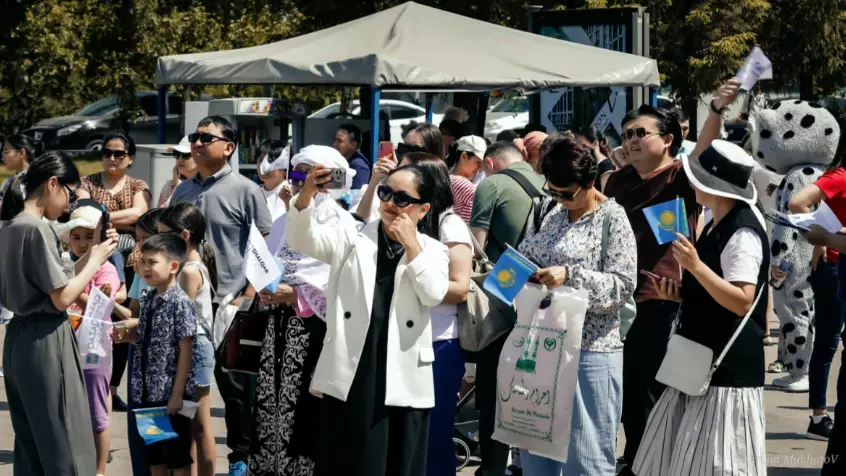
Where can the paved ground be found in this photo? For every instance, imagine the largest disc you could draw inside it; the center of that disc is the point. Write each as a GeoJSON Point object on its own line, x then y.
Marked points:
{"type": "Point", "coordinates": [789, 452]}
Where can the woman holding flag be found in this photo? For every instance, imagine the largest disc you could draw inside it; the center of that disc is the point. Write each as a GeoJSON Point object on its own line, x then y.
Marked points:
{"type": "Point", "coordinates": [585, 242]}
{"type": "Point", "coordinates": [285, 417]}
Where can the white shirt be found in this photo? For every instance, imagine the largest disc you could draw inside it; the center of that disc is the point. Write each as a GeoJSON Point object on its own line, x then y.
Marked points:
{"type": "Point", "coordinates": [742, 257]}
{"type": "Point", "coordinates": [274, 203]}
{"type": "Point", "coordinates": [445, 316]}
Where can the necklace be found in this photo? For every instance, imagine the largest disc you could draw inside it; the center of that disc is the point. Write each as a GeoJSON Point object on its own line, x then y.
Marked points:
{"type": "Point", "coordinates": [389, 250]}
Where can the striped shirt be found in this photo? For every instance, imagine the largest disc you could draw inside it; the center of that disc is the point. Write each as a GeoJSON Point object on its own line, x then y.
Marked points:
{"type": "Point", "coordinates": [463, 192]}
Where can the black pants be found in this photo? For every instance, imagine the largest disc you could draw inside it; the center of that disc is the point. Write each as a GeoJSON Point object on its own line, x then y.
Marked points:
{"type": "Point", "coordinates": [238, 392]}
{"type": "Point", "coordinates": [494, 453]}
{"type": "Point", "coordinates": [835, 455]}
{"type": "Point", "coordinates": [643, 352]}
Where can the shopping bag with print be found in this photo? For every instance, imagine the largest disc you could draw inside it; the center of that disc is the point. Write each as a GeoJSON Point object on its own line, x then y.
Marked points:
{"type": "Point", "coordinates": [94, 334]}
{"type": "Point", "coordinates": [538, 371]}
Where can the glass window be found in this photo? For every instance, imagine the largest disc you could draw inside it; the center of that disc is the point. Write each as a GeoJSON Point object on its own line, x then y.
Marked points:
{"type": "Point", "coordinates": [149, 104]}
{"type": "Point", "coordinates": [402, 112]}
{"type": "Point", "coordinates": [512, 105]}
{"type": "Point", "coordinates": [99, 107]}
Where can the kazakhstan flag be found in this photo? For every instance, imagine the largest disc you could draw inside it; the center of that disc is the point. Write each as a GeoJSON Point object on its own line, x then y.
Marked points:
{"type": "Point", "coordinates": [154, 425]}
{"type": "Point", "coordinates": [666, 219]}
{"type": "Point", "coordinates": [510, 273]}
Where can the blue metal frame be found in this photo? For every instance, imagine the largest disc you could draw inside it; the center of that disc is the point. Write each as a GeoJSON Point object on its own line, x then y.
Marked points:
{"type": "Point", "coordinates": [375, 98]}
{"type": "Point", "coordinates": [430, 107]}
{"type": "Point", "coordinates": [162, 106]}
{"type": "Point", "coordinates": [653, 97]}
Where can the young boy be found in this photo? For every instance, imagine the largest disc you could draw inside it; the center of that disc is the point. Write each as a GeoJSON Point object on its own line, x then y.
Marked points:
{"type": "Point", "coordinates": [162, 356]}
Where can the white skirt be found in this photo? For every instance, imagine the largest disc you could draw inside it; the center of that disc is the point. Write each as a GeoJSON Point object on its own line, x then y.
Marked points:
{"type": "Point", "coordinates": [718, 434]}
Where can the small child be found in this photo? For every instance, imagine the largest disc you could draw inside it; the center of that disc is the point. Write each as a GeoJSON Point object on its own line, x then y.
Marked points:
{"type": "Point", "coordinates": [80, 236]}
{"type": "Point", "coordinates": [273, 173]}
{"type": "Point", "coordinates": [162, 358]}
{"type": "Point", "coordinates": [198, 279]}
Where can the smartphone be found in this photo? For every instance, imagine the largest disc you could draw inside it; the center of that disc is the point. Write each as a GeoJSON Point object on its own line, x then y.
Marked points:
{"type": "Point", "coordinates": [650, 275]}
{"type": "Point", "coordinates": [386, 149]}
{"type": "Point", "coordinates": [339, 179]}
{"type": "Point", "coordinates": [104, 225]}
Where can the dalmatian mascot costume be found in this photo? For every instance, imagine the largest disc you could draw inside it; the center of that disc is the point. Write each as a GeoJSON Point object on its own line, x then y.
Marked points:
{"type": "Point", "coordinates": [796, 139]}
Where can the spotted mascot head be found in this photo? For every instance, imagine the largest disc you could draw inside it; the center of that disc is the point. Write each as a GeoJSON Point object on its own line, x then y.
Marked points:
{"type": "Point", "coordinates": [796, 139]}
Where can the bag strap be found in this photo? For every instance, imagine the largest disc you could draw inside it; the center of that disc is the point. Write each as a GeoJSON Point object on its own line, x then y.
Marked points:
{"type": "Point", "coordinates": [737, 332]}
{"type": "Point", "coordinates": [606, 231]}
{"type": "Point", "coordinates": [521, 179]}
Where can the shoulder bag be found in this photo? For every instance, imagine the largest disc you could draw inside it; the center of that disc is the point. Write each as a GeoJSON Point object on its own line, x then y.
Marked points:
{"type": "Point", "coordinates": [687, 365]}
{"type": "Point", "coordinates": [240, 350]}
{"type": "Point", "coordinates": [629, 310]}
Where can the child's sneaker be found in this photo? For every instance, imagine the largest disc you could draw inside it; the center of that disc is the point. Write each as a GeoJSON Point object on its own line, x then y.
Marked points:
{"type": "Point", "coordinates": [820, 430]}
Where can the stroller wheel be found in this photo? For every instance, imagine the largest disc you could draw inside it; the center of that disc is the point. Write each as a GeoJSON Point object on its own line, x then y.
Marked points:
{"type": "Point", "coordinates": [462, 454]}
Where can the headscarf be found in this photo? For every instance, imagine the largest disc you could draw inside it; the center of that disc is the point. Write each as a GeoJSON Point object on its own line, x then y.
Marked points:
{"type": "Point", "coordinates": [281, 162]}
{"type": "Point", "coordinates": [531, 141]}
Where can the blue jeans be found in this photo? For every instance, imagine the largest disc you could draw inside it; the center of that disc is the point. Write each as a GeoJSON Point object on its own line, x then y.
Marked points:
{"type": "Point", "coordinates": [597, 406]}
{"type": "Point", "coordinates": [448, 371]}
{"type": "Point", "coordinates": [828, 325]}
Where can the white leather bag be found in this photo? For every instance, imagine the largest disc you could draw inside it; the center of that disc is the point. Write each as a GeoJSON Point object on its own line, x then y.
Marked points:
{"type": "Point", "coordinates": [687, 365]}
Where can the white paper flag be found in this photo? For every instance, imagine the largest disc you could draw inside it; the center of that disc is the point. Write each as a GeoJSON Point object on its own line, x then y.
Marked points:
{"type": "Point", "coordinates": [757, 66]}
{"type": "Point", "coordinates": [259, 266]}
{"type": "Point", "coordinates": [94, 333]}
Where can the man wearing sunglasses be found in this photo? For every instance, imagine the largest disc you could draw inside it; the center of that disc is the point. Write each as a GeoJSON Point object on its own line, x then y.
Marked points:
{"type": "Point", "coordinates": [652, 137]}
{"type": "Point", "coordinates": [230, 203]}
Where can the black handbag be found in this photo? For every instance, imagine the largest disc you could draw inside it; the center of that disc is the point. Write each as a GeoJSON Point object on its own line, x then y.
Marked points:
{"type": "Point", "coordinates": [241, 347]}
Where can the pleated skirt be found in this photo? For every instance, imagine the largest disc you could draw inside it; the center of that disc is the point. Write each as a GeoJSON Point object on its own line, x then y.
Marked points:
{"type": "Point", "coordinates": [718, 434]}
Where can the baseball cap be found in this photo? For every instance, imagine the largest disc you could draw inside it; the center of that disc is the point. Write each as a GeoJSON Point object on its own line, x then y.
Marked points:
{"type": "Point", "coordinates": [472, 145]}
{"type": "Point", "coordinates": [184, 146]}
{"type": "Point", "coordinates": [85, 216]}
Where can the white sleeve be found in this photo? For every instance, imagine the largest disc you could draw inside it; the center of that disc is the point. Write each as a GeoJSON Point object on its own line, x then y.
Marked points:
{"type": "Point", "coordinates": [742, 257]}
{"type": "Point", "coordinates": [454, 230]}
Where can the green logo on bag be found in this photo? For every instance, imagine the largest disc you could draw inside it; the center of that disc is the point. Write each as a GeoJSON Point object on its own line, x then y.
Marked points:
{"type": "Point", "coordinates": [527, 363]}
{"type": "Point", "coordinates": [549, 344]}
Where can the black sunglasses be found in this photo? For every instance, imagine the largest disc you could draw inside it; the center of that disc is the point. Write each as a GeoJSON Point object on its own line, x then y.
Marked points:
{"type": "Point", "coordinates": [403, 148]}
{"type": "Point", "coordinates": [205, 138]}
{"type": "Point", "coordinates": [400, 199]}
{"type": "Point", "coordinates": [71, 194]}
{"type": "Point", "coordinates": [180, 155]}
{"type": "Point", "coordinates": [566, 196]}
{"type": "Point", "coordinates": [118, 154]}
{"type": "Point", "coordinates": [640, 132]}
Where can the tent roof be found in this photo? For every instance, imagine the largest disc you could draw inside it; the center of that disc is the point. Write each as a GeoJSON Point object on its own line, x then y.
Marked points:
{"type": "Point", "coordinates": [416, 47]}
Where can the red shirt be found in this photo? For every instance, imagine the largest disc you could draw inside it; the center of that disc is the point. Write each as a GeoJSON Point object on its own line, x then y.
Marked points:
{"type": "Point", "coordinates": [833, 185]}
{"type": "Point", "coordinates": [463, 192]}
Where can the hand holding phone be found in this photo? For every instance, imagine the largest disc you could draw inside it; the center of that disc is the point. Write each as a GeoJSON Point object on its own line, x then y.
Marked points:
{"type": "Point", "coordinates": [338, 179]}
{"type": "Point", "coordinates": [386, 149]}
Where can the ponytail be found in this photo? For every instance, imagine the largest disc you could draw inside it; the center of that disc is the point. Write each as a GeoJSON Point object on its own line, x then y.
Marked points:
{"type": "Point", "coordinates": [207, 255]}
{"type": "Point", "coordinates": [42, 169]}
{"type": "Point", "coordinates": [187, 217]}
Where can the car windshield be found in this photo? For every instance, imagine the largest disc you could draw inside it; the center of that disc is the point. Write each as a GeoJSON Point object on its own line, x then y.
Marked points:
{"type": "Point", "coordinates": [100, 107]}
{"type": "Point", "coordinates": [512, 105]}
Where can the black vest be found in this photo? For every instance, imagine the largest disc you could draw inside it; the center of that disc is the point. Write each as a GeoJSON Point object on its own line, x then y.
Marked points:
{"type": "Point", "coordinates": [705, 321]}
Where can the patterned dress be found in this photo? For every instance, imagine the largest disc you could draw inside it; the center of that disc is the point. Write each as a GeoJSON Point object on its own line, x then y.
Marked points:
{"type": "Point", "coordinates": [286, 415]}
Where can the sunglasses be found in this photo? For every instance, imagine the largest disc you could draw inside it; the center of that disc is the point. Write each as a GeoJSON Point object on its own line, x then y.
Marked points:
{"type": "Point", "coordinates": [400, 199]}
{"type": "Point", "coordinates": [566, 196]}
{"type": "Point", "coordinates": [640, 132]}
{"type": "Point", "coordinates": [118, 154]}
{"type": "Point", "coordinates": [181, 156]}
{"type": "Point", "coordinates": [205, 138]}
{"type": "Point", "coordinates": [297, 178]}
{"type": "Point", "coordinates": [71, 194]}
{"type": "Point", "coordinates": [403, 148]}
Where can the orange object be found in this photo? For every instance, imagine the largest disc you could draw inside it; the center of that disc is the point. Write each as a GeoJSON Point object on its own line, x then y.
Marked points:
{"type": "Point", "coordinates": [75, 320]}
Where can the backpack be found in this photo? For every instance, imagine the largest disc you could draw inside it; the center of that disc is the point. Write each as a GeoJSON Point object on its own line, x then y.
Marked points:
{"type": "Point", "coordinates": [536, 213]}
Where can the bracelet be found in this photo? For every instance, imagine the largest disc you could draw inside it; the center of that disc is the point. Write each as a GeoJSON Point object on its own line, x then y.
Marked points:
{"type": "Point", "coordinates": [716, 111]}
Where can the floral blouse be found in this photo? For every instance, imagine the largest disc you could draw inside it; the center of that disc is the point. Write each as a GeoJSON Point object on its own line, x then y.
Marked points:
{"type": "Point", "coordinates": [610, 279]}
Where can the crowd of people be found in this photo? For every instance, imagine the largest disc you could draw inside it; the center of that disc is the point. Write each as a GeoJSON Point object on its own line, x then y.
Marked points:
{"type": "Point", "coordinates": [361, 362]}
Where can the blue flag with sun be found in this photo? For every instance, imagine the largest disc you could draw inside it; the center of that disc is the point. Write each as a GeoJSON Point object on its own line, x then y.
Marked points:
{"type": "Point", "coordinates": [666, 219]}
{"type": "Point", "coordinates": [154, 425]}
{"type": "Point", "coordinates": [510, 273]}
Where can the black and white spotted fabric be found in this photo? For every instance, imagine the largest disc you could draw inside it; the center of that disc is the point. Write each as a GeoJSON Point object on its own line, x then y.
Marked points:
{"type": "Point", "coordinates": [796, 139]}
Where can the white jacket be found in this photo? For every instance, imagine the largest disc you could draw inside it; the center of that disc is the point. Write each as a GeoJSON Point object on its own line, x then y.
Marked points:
{"type": "Point", "coordinates": [349, 301]}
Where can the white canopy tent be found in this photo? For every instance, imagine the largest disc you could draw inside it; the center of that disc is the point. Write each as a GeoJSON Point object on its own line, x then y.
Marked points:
{"type": "Point", "coordinates": [412, 46]}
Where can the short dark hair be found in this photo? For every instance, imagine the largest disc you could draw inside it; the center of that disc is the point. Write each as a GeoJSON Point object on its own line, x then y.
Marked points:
{"type": "Point", "coordinates": [128, 141]}
{"type": "Point", "coordinates": [170, 244]}
{"type": "Point", "coordinates": [230, 131]}
{"type": "Point", "coordinates": [451, 127]}
{"type": "Point", "coordinates": [565, 162]}
{"type": "Point", "coordinates": [681, 116]}
{"type": "Point", "coordinates": [353, 131]}
{"type": "Point", "coordinates": [668, 123]}
{"type": "Point", "coordinates": [507, 135]}
{"type": "Point", "coordinates": [533, 127]}
{"type": "Point", "coordinates": [272, 148]}
{"type": "Point", "coordinates": [500, 148]}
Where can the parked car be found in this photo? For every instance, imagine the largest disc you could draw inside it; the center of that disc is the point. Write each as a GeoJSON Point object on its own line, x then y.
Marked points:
{"type": "Point", "coordinates": [84, 130]}
{"type": "Point", "coordinates": [507, 114]}
{"type": "Point", "coordinates": [399, 113]}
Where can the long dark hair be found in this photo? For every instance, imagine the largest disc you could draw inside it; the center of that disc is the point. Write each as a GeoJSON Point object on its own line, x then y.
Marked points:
{"type": "Point", "coordinates": [433, 140]}
{"type": "Point", "coordinates": [149, 221]}
{"type": "Point", "coordinates": [51, 164]}
{"type": "Point", "coordinates": [593, 135]}
{"type": "Point", "coordinates": [186, 216]}
{"type": "Point", "coordinates": [21, 142]}
{"type": "Point", "coordinates": [427, 188]}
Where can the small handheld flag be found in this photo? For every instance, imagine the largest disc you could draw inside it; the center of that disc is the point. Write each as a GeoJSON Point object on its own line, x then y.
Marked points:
{"type": "Point", "coordinates": [510, 273]}
{"type": "Point", "coordinates": [154, 425]}
{"type": "Point", "coordinates": [666, 219]}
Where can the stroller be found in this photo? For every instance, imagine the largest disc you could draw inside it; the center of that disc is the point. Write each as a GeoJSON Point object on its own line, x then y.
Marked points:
{"type": "Point", "coordinates": [465, 435]}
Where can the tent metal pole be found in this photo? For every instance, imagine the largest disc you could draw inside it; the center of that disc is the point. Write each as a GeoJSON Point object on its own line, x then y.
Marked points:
{"type": "Point", "coordinates": [430, 107]}
{"type": "Point", "coordinates": [375, 97]}
{"type": "Point", "coordinates": [162, 114]}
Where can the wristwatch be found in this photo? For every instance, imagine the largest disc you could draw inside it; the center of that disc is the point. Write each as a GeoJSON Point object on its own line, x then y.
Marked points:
{"type": "Point", "coordinates": [717, 111]}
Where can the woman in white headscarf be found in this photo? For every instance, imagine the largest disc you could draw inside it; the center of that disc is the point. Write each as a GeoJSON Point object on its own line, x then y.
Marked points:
{"type": "Point", "coordinates": [285, 417]}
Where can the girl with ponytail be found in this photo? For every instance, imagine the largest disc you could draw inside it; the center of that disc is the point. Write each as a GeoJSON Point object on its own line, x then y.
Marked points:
{"type": "Point", "coordinates": [44, 382]}
{"type": "Point", "coordinates": [18, 152]}
{"type": "Point", "coordinates": [198, 279]}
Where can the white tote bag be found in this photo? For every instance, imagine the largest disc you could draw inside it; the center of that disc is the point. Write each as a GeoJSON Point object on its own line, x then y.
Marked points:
{"type": "Point", "coordinates": [539, 370]}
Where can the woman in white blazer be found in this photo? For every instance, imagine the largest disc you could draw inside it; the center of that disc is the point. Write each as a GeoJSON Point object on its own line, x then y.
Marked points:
{"type": "Point", "coordinates": [375, 370]}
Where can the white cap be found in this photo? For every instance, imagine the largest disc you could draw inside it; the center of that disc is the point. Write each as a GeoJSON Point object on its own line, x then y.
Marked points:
{"type": "Point", "coordinates": [473, 145]}
{"type": "Point", "coordinates": [83, 217]}
{"type": "Point", "coordinates": [184, 146]}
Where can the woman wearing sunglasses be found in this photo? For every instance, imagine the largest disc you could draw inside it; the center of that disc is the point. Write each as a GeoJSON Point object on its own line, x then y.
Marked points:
{"type": "Point", "coordinates": [184, 169]}
{"type": "Point", "coordinates": [127, 199]}
{"type": "Point", "coordinates": [570, 250]}
{"type": "Point", "coordinates": [375, 370]}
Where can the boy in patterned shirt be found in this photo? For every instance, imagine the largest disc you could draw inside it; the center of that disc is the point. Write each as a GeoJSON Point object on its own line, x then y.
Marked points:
{"type": "Point", "coordinates": [162, 356]}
